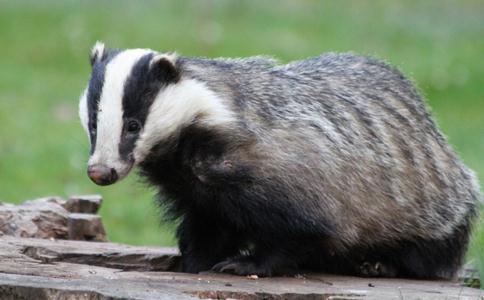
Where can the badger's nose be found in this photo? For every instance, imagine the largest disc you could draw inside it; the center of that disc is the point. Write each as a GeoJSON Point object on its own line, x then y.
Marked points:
{"type": "Point", "coordinates": [102, 175]}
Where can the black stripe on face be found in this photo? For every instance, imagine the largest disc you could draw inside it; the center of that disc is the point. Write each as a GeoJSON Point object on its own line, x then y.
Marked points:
{"type": "Point", "coordinates": [140, 90]}
{"type": "Point", "coordinates": [94, 91]}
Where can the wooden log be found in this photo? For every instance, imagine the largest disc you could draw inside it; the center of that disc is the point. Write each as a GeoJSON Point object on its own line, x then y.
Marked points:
{"type": "Point", "coordinates": [54, 218]}
{"type": "Point", "coordinates": [60, 269]}
{"type": "Point", "coordinates": [41, 218]}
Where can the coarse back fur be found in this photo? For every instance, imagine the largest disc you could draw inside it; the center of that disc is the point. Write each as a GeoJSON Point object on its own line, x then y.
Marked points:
{"type": "Point", "coordinates": [331, 163]}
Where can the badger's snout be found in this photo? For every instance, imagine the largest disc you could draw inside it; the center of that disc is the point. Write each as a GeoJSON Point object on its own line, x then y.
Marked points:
{"type": "Point", "coordinates": [102, 175]}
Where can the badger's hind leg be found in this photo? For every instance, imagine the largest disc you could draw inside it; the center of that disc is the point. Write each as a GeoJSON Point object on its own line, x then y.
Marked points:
{"type": "Point", "coordinates": [436, 258]}
{"type": "Point", "coordinates": [418, 258]}
{"type": "Point", "coordinates": [433, 258]}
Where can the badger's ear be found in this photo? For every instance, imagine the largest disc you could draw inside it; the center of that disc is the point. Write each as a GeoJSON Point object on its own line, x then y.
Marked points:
{"type": "Point", "coordinates": [97, 52]}
{"type": "Point", "coordinates": [163, 67]}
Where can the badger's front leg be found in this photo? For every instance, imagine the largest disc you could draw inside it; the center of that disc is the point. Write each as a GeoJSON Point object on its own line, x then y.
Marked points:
{"type": "Point", "coordinates": [203, 243]}
{"type": "Point", "coordinates": [262, 261]}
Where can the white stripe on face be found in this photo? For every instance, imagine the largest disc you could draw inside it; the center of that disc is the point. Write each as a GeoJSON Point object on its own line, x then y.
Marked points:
{"type": "Point", "coordinates": [83, 115]}
{"type": "Point", "coordinates": [110, 111]}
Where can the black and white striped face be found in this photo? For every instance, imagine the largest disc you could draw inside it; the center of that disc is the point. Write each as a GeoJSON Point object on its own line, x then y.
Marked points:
{"type": "Point", "coordinates": [135, 100]}
{"type": "Point", "coordinates": [115, 107]}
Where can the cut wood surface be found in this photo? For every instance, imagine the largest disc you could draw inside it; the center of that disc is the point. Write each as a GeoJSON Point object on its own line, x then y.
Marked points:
{"type": "Point", "coordinates": [60, 269]}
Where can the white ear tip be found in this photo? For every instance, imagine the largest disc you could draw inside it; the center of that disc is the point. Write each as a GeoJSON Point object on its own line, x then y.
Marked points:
{"type": "Point", "coordinates": [98, 47]}
{"type": "Point", "coordinates": [98, 50]}
{"type": "Point", "coordinates": [171, 57]}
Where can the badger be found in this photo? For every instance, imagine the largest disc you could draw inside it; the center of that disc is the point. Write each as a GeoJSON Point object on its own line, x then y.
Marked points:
{"type": "Point", "coordinates": [331, 163]}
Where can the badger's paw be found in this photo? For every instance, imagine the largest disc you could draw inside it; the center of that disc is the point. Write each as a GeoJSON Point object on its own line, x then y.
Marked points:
{"type": "Point", "coordinates": [378, 269]}
{"type": "Point", "coordinates": [242, 266]}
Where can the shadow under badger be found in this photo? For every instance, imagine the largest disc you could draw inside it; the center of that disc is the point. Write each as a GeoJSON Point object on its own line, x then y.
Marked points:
{"type": "Point", "coordinates": [331, 163]}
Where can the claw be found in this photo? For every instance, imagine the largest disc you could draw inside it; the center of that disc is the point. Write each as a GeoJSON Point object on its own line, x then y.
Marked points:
{"type": "Point", "coordinates": [219, 266]}
{"type": "Point", "coordinates": [233, 266]}
{"type": "Point", "coordinates": [377, 269]}
{"type": "Point", "coordinates": [229, 268]}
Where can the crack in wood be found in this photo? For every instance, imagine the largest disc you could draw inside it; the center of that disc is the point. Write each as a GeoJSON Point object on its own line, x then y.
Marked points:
{"type": "Point", "coordinates": [113, 260]}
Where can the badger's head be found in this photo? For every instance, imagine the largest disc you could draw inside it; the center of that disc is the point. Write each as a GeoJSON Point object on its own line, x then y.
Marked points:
{"type": "Point", "coordinates": [137, 99]}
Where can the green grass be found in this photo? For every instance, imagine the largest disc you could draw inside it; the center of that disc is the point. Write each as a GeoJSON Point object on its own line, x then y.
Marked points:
{"type": "Point", "coordinates": [44, 67]}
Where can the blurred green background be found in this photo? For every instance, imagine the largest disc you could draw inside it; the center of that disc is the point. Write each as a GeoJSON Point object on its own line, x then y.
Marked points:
{"type": "Point", "coordinates": [44, 67]}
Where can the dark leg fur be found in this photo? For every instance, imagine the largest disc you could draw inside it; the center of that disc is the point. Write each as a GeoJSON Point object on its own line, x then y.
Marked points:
{"type": "Point", "coordinates": [268, 258]}
{"type": "Point", "coordinates": [204, 243]}
{"type": "Point", "coordinates": [434, 258]}
{"type": "Point", "coordinates": [420, 258]}
{"type": "Point", "coordinates": [207, 246]}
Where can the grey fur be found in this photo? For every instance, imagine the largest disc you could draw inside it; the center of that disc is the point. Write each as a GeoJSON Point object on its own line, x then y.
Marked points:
{"type": "Point", "coordinates": [349, 121]}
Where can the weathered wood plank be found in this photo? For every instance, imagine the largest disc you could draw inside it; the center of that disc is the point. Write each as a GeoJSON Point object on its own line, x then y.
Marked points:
{"type": "Point", "coordinates": [55, 269]}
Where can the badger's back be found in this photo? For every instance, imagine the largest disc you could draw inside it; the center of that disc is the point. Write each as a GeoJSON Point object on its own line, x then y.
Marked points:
{"type": "Point", "coordinates": [351, 137]}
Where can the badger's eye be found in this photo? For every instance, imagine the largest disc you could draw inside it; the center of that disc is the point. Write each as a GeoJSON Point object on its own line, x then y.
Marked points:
{"type": "Point", "coordinates": [133, 126]}
{"type": "Point", "coordinates": [93, 126]}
